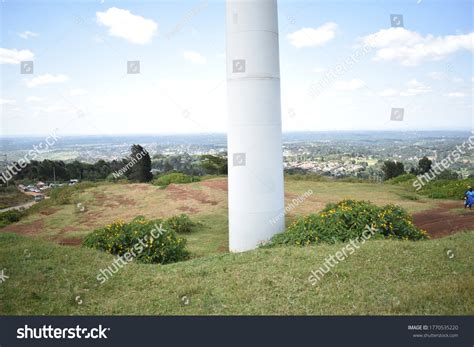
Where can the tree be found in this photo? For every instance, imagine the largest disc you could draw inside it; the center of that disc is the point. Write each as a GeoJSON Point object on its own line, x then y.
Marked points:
{"type": "Point", "coordinates": [139, 165]}
{"type": "Point", "coordinates": [214, 165]}
{"type": "Point", "coordinates": [392, 169]}
{"type": "Point", "coordinates": [424, 165]}
{"type": "Point", "coordinates": [447, 175]}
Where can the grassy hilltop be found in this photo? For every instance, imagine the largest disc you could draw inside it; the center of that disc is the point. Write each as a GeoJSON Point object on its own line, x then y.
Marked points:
{"type": "Point", "coordinates": [50, 273]}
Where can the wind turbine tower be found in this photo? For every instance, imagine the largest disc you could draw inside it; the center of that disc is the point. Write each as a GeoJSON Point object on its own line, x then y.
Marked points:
{"type": "Point", "coordinates": [256, 187]}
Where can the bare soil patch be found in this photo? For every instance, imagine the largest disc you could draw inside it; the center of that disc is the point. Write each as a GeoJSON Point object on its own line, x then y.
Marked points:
{"type": "Point", "coordinates": [441, 221]}
{"type": "Point", "coordinates": [188, 209]}
{"type": "Point", "coordinates": [176, 192]}
{"type": "Point", "coordinates": [25, 229]}
{"type": "Point", "coordinates": [49, 211]}
{"type": "Point", "coordinates": [216, 184]}
{"type": "Point", "coordinates": [70, 241]}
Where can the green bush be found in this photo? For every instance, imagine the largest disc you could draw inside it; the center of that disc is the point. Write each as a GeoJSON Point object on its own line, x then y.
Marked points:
{"type": "Point", "coordinates": [180, 224]}
{"type": "Point", "coordinates": [401, 179]}
{"type": "Point", "coordinates": [446, 189]}
{"type": "Point", "coordinates": [175, 177]}
{"type": "Point", "coordinates": [146, 239]}
{"type": "Point", "coordinates": [9, 217]}
{"type": "Point", "coordinates": [347, 220]}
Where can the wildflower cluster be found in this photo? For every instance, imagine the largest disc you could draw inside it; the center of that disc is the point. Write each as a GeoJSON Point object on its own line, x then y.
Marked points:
{"type": "Point", "coordinates": [447, 189]}
{"type": "Point", "coordinates": [347, 220]}
{"type": "Point", "coordinates": [181, 224]}
{"type": "Point", "coordinates": [120, 238]}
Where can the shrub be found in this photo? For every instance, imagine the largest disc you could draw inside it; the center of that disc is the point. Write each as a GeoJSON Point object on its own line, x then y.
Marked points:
{"type": "Point", "coordinates": [145, 239]}
{"type": "Point", "coordinates": [447, 175]}
{"type": "Point", "coordinates": [180, 224]}
{"type": "Point", "coordinates": [401, 179]}
{"type": "Point", "coordinates": [446, 189]}
{"type": "Point", "coordinates": [347, 220]}
{"type": "Point", "coordinates": [175, 177]}
{"type": "Point", "coordinates": [9, 217]}
{"type": "Point", "coordinates": [392, 169]}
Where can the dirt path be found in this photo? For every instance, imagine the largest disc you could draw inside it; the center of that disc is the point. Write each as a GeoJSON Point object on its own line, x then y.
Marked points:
{"type": "Point", "coordinates": [442, 221]}
{"type": "Point", "coordinates": [19, 207]}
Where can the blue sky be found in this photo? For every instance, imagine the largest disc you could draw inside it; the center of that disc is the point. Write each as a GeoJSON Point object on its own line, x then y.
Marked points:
{"type": "Point", "coordinates": [80, 51]}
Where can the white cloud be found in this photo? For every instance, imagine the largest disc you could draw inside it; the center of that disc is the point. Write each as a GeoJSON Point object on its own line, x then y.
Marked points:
{"type": "Point", "coordinates": [33, 99]}
{"type": "Point", "coordinates": [415, 87]}
{"type": "Point", "coordinates": [58, 107]}
{"type": "Point", "coordinates": [7, 101]}
{"type": "Point", "coordinates": [437, 76]}
{"type": "Point", "coordinates": [46, 79]}
{"type": "Point", "coordinates": [77, 92]}
{"type": "Point", "coordinates": [411, 48]}
{"type": "Point", "coordinates": [310, 37]}
{"type": "Point", "coordinates": [349, 85]}
{"type": "Point", "coordinates": [456, 95]}
{"type": "Point", "coordinates": [14, 56]}
{"type": "Point", "coordinates": [194, 57]}
{"type": "Point", "coordinates": [318, 70]}
{"type": "Point", "coordinates": [27, 34]}
{"type": "Point", "coordinates": [389, 92]}
{"type": "Point", "coordinates": [124, 24]}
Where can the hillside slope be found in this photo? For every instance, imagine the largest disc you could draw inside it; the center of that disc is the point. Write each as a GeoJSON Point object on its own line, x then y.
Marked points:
{"type": "Point", "coordinates": [382, 277]}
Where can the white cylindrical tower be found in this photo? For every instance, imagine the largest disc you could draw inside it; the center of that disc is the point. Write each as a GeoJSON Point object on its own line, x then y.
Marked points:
{"type": "Point", "coordinates": [256, 192]}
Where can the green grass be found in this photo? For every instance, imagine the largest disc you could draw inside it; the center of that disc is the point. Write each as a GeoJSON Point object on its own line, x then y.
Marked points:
{"type": "Point", "coordinates": [382, 277]}
{"type": "Point", "coordinates": [107, 202]}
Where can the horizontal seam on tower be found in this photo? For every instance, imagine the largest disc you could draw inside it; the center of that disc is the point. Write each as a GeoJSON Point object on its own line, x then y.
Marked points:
{"type": "Point", "coordinates": [256, 125]}
{"type": "Point", "coordinates": [246, 31]}
{"type": "Point", "coordinates": [258, 212]}
{"type": "Point", "coordinates": [252, 78]}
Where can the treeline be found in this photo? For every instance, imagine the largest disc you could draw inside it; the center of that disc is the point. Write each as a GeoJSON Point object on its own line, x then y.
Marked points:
{"type": "Point", "coordinates": [136, 167]}
{"type": "Point", "coordinates": [47, 170]}
{"type": "Point", "coordinates": [193, 165]}
{"type": "Point", "coordinates": [392, 169]}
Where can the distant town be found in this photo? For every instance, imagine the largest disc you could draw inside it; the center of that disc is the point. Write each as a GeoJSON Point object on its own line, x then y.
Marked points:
{"type": "Point", "coordinates": [337, 154]}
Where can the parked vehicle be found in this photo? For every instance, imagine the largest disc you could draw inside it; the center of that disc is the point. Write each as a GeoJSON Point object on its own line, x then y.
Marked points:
{"type": "Point", "coordinates": [39, 197]}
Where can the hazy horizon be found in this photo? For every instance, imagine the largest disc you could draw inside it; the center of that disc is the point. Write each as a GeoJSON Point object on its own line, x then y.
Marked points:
{"type": "Point", "coordinates": [225, 133]}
